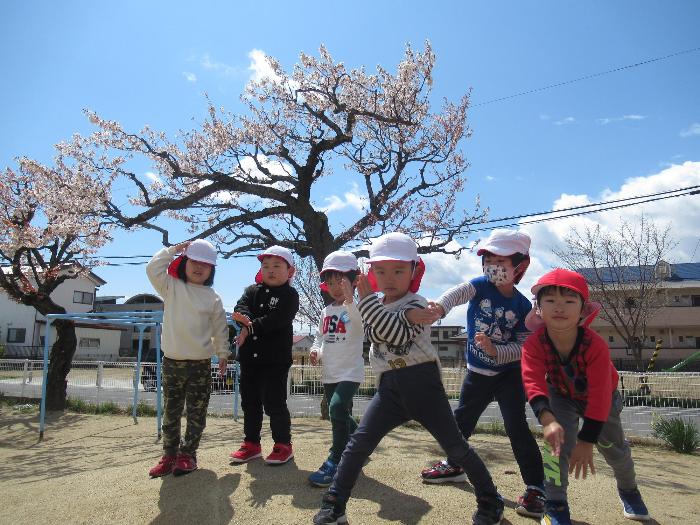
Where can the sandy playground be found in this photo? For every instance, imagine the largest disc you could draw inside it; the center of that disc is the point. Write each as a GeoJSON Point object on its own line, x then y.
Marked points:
{"type": "Point", "coordinates": [93, 469]}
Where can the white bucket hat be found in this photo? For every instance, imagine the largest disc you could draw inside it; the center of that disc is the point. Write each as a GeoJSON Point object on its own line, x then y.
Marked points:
{"type": "Point", "coordinates": [505, 242]}
{"type": "Point", "coordinates": [202, 251]}
{"type": "Point", "coordinates": [278, 251]}
{"type": "Point", "coordinates": [340, 261]}
{"type": "Point", "coordinates": [394, 246]}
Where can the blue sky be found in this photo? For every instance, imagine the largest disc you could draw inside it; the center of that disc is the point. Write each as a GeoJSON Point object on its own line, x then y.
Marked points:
{"type": "Point", "coordinates": [151, 63]}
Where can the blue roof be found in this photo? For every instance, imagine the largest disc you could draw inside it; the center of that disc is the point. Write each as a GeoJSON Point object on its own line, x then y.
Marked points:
{"type": "Point", "coordinates": [631, 274]}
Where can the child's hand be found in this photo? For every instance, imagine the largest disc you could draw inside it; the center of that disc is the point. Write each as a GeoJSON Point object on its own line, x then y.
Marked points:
{"type": "Point", "coordinates": [241, 318]}
{"type": "Point", "coordinates": [240, 339]}
{"type": "Point", "coordinates": [348, 293]}
{"type": "Point", "coordinates": [313, 357]}
{"type": "Point", "coordinates": [223, 362]}
{"type": "Point", "coordinates": [363, 287]}
{"type": "Point", "coordinates": [180, 248]}
{"type": "Point", "coordinates": [582, 457]}
{"type": "Point", "coordinates": [436, 308]}
{"type": "Point", "coordinates": [554, 436]}
{"type": "Point", "coordinates": [483, 341]}
{"type": "Point", "coordinates": [420, 316]}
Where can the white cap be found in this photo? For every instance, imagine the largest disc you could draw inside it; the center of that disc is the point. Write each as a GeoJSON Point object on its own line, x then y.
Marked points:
{"type": "Point", "coordinates": [393, 247]}
{"type": "Point", "coordinates": [202, 251]}
{"type": "Point", "coordinates": [278, 251]}
{"type": "Point", "coordinates": [505, 242]}
{"type": "Point", "coordinates": [340, 261]}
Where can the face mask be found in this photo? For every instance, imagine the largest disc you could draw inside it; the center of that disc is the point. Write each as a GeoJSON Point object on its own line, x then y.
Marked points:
{"type": "Point", "coordinates": [498, 274]}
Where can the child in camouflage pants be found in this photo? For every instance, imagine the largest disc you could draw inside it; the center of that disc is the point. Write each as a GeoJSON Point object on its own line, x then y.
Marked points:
{"type": "Point", "coordinates": [194, 328]}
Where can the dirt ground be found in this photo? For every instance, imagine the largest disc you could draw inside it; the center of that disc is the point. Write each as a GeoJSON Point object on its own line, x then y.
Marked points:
{"type": "Point", "coordinates": [93, 469]}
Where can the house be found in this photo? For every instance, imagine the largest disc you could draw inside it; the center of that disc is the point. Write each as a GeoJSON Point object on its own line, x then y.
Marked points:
{"type": "Point", "coordinates": [129, 340]}
{"type": "Point", "coordinates": [449, 341]}
{"type": "Point", "coordinates": [22, 328]}
{"type": "Point", "coordinates": [676, 320]}
{"type": "Point", "coordinates": [300, 348]}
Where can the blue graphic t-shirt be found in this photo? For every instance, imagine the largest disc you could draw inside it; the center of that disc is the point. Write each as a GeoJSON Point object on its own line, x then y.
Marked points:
{"type": "Point", "coordinates": [502, 319]}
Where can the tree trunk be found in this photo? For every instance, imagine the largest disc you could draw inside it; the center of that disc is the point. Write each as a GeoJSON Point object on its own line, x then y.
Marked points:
{"type": "Point", "coordinates": [61, 357]}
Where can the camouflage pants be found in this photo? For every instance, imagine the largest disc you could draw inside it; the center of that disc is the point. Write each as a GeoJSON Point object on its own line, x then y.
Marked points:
{"type": "Point", "coordinates": [185, 383]}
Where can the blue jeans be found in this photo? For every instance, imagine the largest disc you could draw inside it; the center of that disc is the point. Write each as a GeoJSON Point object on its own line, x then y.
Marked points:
{"type": "Point", "coordinates": [478, 391]}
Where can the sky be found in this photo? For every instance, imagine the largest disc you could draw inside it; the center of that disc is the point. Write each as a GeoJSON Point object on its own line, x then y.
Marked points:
{"type": "Point", "coordinates": [631, 132]}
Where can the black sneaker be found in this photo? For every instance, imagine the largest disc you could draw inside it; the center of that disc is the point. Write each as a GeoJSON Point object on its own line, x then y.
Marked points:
{"type": "Point", "coordinates": [489, 510]}
{"type": "Point", "coordinates": [531, 503]}
{"type": "Point", "coordinates": [332, 511]}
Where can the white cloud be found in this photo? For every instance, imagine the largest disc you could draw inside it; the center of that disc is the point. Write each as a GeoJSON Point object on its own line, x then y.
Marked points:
{"type": "Point", "coordinates": [692, 130]}
{"type": "Point", "coordinates": [544, 117]}
{"type": "Point", "coordinates": [259, 66]}
{"type": "Point", "coordinates": [189, 76]}
{"type": "Point", "coordinates": [207, 63]}
{"type": "Point", "coordinates": [565, 120]}
{"type": "Point", "coordinates": [682, 214]}
{"type": "Point", "coordinates": [153, 176]}
{"type": "Point", "coordinates": [352, 199]}
{"type": "Point", "coordinates": [490, 178]}
{"type": "Point", "coordinates": [608, 120]}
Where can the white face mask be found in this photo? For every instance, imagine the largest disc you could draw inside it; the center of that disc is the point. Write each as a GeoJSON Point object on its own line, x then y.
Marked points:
{"type": "Point", "coordinates": [498, 274]}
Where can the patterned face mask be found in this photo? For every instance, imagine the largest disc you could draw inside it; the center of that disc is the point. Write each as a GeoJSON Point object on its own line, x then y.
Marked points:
{"type": "Point", "coordinates": [499, 274]}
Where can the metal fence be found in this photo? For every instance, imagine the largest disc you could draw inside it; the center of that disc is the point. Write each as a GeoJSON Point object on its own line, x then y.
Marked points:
{"type": "Point", "coordinates": [646, 395]}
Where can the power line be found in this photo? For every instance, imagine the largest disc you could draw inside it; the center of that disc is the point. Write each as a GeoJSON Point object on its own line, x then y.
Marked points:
{"type": "Point", "coordinates": [538, 217]}
{"type": "Point", "coordinates": [586, 77]}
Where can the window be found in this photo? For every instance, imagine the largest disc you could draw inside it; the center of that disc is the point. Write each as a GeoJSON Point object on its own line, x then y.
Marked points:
{"type": "Point", "coordinates": [446, 334]}
{"type": "Point", "coordinates": [82, 297]}
{"type": "Point", "coordinates": [652, 338]}
{"type": "Point", "coordinates": [454, 332]}
{"type": "Point", "coordinates": [89, 342]}
{"type": "Point", "coordinates": [433, 333]}
{"type": "Point", "coordinates": [611, 339]}
{"type": "Point", "coordinates": [629, 351]}
{"type": "Point", "coordinates": [442, 348]}
{"type": "Point", "coordinates": [676, 299]}
{"type": "Point", "coordinates": [16, 335]}
{"type": "Point", "coordinates": [680, 338]}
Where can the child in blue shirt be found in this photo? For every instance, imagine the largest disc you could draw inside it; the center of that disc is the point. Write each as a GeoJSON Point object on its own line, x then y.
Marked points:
{"type": "Point", "coordinates": [495, 334]}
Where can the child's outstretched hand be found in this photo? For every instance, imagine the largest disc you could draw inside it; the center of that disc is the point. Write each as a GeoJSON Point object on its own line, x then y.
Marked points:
{"type": "Point", "coordinates": [483, 341]}
{"type": "Point", "coordinates": [241, 318]}
{"type": "Point", "coordinates": [363, 287]}
{"type": "Point", "coordinates": [421, 316]}
{"type": "Point", "coordinates": [223, 362]}
{"type": "Point", "coordinates": [436, 308]}
{"type": "Point", "coordinates": [313, 357]}
{"type": "Point", "coordinates": [582, 458]}
{"type": "Point", "coordinates": [553, 433]}
{"type": "Point", "coordinates": [348, 292]}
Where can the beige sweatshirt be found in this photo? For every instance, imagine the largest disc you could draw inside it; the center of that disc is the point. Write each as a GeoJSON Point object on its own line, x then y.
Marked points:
{"type": "Point", "coordinates": [194, 321]}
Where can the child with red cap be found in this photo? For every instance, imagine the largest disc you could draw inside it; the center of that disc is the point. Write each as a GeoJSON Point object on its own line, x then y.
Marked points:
{"type": "Point", "coordinates": [338, 346]}
{"type": "Point", "coordinates": [194, 328]}
{"type": "Point", "coordinates": [409, 383]}
{"type": "Point", "coordinates": [266, 310]}
{"type": "Point", "coordinates": [495, 334]}
{"type": "Point", "coordinates": [568, 375]}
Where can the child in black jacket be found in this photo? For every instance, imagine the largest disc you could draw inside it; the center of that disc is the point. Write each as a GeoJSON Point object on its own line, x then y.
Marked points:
{"type": "Point", "coordinates": [266, 310]}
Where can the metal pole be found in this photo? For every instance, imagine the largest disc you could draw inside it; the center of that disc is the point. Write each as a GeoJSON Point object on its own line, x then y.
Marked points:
{"type": "Point", "coordinates": [137, 374]}
{"type": "Point", "coordinates": [45, 375]}
{"type": "Point", "coordinates": [98, 381]}
{"type": "Point", "coordinates": [159, 408]}
{"type": "Point", "coordinates": [25, 377]}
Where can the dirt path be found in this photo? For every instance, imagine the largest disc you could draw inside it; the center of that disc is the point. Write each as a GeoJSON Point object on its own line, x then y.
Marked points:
{"type": "Point", "coordinates": [93, 469]}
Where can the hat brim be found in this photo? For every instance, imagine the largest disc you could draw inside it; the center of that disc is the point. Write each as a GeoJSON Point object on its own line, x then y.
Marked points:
{"type": "Point", "coordinates": [383, 258]}
{"type": "Point", "coordinates": [263, 255]}
{"type": "Point", "coordinates": [536, 289]}
{"type": "Point", "coordinates": [497, 251]}
{"type": "Point", "coordinates": [337, 269]}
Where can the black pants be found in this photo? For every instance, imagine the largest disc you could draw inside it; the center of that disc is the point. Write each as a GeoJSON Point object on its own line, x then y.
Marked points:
{"type": "Point", "coordinates": [264, 387]}
{"type": "Point", "coordinates": [415, 392]}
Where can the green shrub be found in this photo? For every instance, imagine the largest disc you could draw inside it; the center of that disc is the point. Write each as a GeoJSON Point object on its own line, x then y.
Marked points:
{"type": "Point", "coordinates": [680, 435]}
{"type": "Point", "coordinates": [144, 410]}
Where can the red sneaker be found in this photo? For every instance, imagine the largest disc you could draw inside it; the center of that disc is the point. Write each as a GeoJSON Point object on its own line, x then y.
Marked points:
{"type": "Point", "coordinates": [281, 453]}
{"type": "Point", "coordinates": [248, 451]}
{"type": "Point", "coordinates": [163, 468]}
{"type": "Point", "coordinates": [184, 464]}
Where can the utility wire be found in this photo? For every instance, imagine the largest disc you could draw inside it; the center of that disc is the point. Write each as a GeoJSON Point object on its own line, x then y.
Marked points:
{"type": "Point", "coordinates": [577, 211]}
{"type": "Point", "coordinates": [586, 77]}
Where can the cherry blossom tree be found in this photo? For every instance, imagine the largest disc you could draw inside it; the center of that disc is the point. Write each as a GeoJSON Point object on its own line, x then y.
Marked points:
{"type": "Point", "coordinates": [50, 227]}
{"type": "Point", "coordinates": [251, 180]}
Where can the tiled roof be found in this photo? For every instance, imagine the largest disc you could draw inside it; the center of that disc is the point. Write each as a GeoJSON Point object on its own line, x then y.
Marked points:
{"type": "Point", "coordinates": [631, 274]}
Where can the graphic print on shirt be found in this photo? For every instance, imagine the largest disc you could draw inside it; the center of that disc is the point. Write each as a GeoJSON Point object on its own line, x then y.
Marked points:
{"type": "Point", "coordinates": [335, 328]}
{"type": "Point", "coordinates": [497, 323]}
